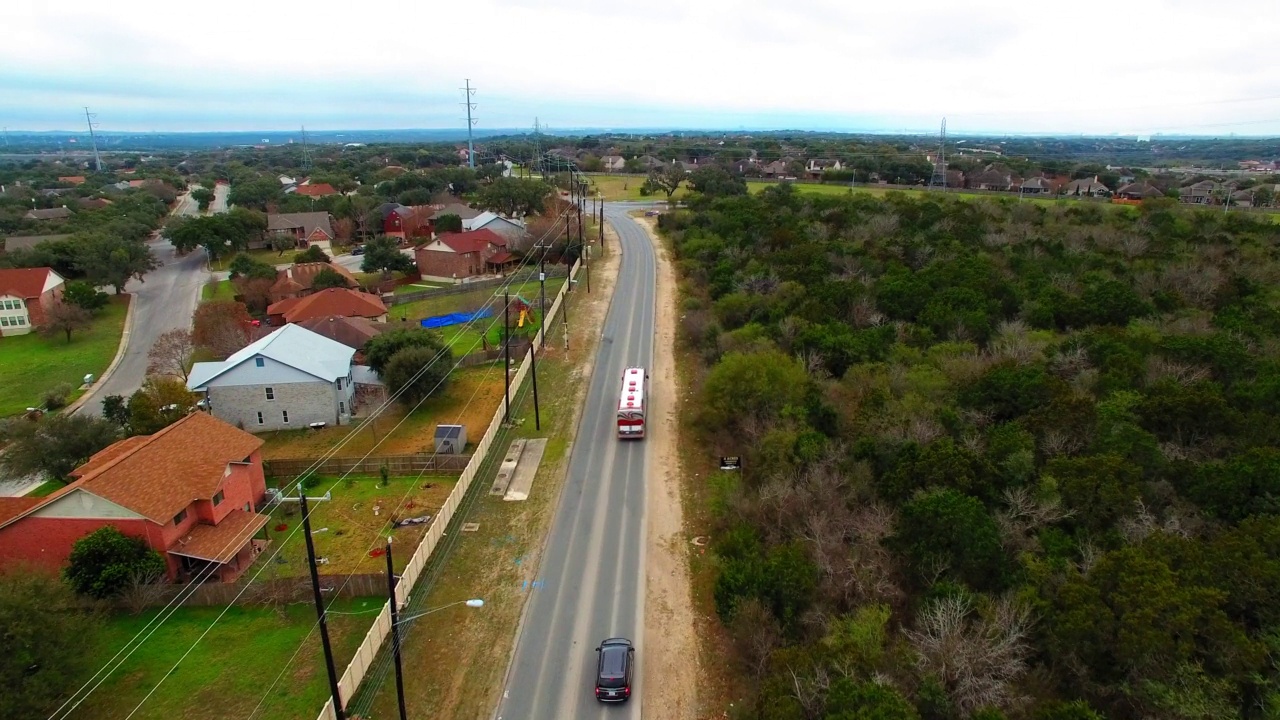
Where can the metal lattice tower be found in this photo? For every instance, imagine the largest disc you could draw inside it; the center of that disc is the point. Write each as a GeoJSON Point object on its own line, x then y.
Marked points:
{"type": "Point", "coordinates": [939, 177]}
{"type": "Point", "coordinates": [471, 122]}
{"type": "Point", "coordinates": [306, 151]}
{"type": "Point", "coordinates": [537, 148]}
{"type": "Point", "coordinates": [93, 137]}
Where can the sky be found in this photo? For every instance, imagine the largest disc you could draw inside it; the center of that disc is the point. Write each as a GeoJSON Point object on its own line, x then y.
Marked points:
{"type": "Point", "coordinates": [989, 66]}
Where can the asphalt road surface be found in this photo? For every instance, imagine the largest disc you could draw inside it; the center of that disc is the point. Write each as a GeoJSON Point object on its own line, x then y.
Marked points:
{"type": "Point", "coordinates": [592, 575]}
{"type": "Point", "coordinates": [163, 300]}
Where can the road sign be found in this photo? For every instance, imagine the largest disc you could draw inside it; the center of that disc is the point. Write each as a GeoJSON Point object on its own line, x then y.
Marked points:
{"type": "Point", "coordinates": [731, 463]}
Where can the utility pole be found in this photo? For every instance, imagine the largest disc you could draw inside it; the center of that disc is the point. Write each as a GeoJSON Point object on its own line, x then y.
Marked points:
{"type": "Point", "coordinates": [93, 137]}
{"type": "Point", "coordinates": [321, 615]}
{"type": "Point", "coordinates": [392, 581]}
{"type": "Point", "coordinates": [533, 369]}
{"type": "Point", "coordinates": [506, 355]}
{"type": "Point", "coordinates": [601, 224]}
{"type": "Point", "coordinates": [471, 151]}
{"type": "Point", "coordinates": [586, 254]}
{"type": "Point", "coordinates": [939, 177]}
{"type": "Point", "coordinates": [567, 239]}
{"type": "Point", "coordinates": [542, 283]}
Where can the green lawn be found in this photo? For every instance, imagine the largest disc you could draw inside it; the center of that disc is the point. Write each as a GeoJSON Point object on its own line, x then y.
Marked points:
{"type": "Point", "coordinates": [219, 290]}
{"type": "Point", "coordinates": [626, 187]}
{"type": "Point", "coordinates": [31, 364]}
{"type": "Point", "coordinates": [231, 669]}
{"type": "Point", "coordinates": [268, 256]}
{"type": "Point", "coordinates": [417, 287]}
{"type": "Point", "coordinates": [46, 488]}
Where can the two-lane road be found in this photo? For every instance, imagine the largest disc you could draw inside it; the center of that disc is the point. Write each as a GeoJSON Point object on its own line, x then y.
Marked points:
{"type": "Point", "coordinates": [592, 579]}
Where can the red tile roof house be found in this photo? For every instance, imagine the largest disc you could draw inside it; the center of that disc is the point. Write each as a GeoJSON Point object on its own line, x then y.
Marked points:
{"type": "Point", "coordinates": [315, 191]}
{"type": "Point", "coordinates": [25, 295]}
{"type": "Point", "coordinates": [189, 491]}
{"type": "Point", "coordinates": [330, 302]}
{"type": "Point", "coordinates": [296, 280]}
{"type": "Point", "coordinates": [453, 256]}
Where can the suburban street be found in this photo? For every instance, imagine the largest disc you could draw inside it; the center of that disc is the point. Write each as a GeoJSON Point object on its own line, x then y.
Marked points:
{"type": "Point", "coordinates": [592, 578]}
{"type": "Point", "coordinates": [163, 301]}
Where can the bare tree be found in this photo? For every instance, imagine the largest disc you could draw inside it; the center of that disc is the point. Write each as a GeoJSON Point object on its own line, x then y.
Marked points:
{"type": "Point", "coordinates": [171, 354]}
{"type": "Point", "coordinates": [756, 634]}
{"type": "Point", "coordinates": [976, 656]}
{"type": "Point", "coordinates": [144, 590]}
{"type": "Point", "coordinates": [64, 318]}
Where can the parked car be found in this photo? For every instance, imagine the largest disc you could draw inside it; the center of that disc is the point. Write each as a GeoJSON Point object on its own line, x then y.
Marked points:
{"type": "Point", "coordinates": [615, 658]}
{"type": "Point", "coordinates": [358, 250]}
{"type": "Point", "coordinates": [651, 213]}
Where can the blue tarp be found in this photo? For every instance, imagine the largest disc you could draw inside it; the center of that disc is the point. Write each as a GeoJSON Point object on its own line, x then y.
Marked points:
{"type": "Point", "coordinates": [440, 321]}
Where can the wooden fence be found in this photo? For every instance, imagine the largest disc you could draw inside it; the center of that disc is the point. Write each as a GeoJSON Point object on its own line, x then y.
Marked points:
{"type": "Point", "coordinates": [411, 464]}
{"type": "Point", "coordinates": [373, 640]}
{"type": "Point", "coordinates": [275, 590]}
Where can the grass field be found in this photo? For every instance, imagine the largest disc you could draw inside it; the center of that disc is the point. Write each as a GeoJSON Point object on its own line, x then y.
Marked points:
{"type": "Point", "coordinates": [31, 364]}
{"type": "Point", "coordinates": [627, 187]}
{"type": "Point", "coordinates": [218, 290]}
{"type": "Point", "coordinates": [471, 301]}
{"type": "Point", "coordinates": [230, 670]}
{"type": "Point", "coordinates": [357, 520]}
{"type": "Point", "coordinates": [268, 256]}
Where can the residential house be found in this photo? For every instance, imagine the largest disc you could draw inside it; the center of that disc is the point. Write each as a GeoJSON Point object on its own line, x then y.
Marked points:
{"type": "Point", "coordinates": [190, 491]}
{"type": "Point", "coordinates": [815, 167]}
{"type": "Point", "coordinates": [649, 162]}
{"type": "Point", "coordinates": [290, 379]}
{"type": "Point", "coordinates": [1138, 191]}
{"type": "Point", "coordinates": [26, 242]}
{"type": "Point", "coordinates": [72, 179]}
{"type": "Point", "coordinates": [315, 191]}
{"type": "Point", "coordinates": [296, 280]}
{"type": "Point", "coordinates": [508, 228]}
{"type": "Point", "coordinates": [613, 163]}
{"type": "Point", "coordinates": [93, 203]}
{"type": "Point", "coordinates": [306, 228]}
{"type": "Point", "coordinates": [993, 177]}
{"type": "Point", "coordinates": [956, 178]}
{"type": "Point", "coordinates": [404, 221]}
{"type": "Point", "coordinates": [58, 213]}
{"type": "Point", "coordinates": [26, 294]}
{"type": "Point", "coordinates": [1201, 193]}
{"type": "Point", "coordinates": [330, 302]}
{"type": "Point", "coordinates": [1243, 198]}
{"type": "Point", "coordinates": [778, 168]}
{"type": "Point", "coordinates": [1086, 187]}
{"type": "Point", "coordinates": [354, 332]}
{"type": "Point", "coordinates": [463, 255]}
{"type": "Point", "coordinates": [741, 167]}
{"type": "Point", "coordinates": [462, 211]}
{"type": "Point", "coordinates": [1036, 186]}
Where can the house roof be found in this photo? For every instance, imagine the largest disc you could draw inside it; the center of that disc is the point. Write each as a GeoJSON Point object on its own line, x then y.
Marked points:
{"type": "Point", "coordinates": [12, 508]}
{"type": "Point", "coordinates": [1144, 190]}
{"type": "Point", "coordinates": [472, 241]}
{"type": "Point", "coordinates": [73, 179]}
{"type": "Point", "coordinates": [353, 332]}
{"type": "Point", "coordinates": [308, 222]}
{"type": "Point", "coordinates": [1086, 185]}
{"type": "Point", "coordinates": [219, 543]}
{"type": "Point", "coordinates": [317, 190]}
{"type": "Point", "coordinates": [26, 242]}
{"type": "Point", "coordinates": [26, 283]}
{"type": "Point", "coordinates": [1036, 182]}
{"type": "Point", "coordinates": [293, 346]}
{"type": "Point", "coordinates": [329, 302]}
{"type": "Point", "coordinates": [486, 217]}
{"type": "Point", "coordinates": [160, 475]}
{"type": "Point", "coordinates": [301, 276]}
{"type": "Point", "coordinates": [49, 214]}
{"type": "Point", "coordinates": [501, 257]}
{"type": "Point", "coordinates": [462, 211]}
{"type": "Point", "coordinates": [364, 375]}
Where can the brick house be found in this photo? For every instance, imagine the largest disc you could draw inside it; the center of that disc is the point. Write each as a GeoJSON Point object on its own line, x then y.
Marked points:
{"type": "Point", "coordinates": [305, 228]}
{"type": "Point", "coordinates": [463, 255]}
{"type": "Point", "coordinates": [464, 212]}
{"type": "Point", "coordinates": [354, 332]}
{"type": "Point", "coordinates": [287, 380]}
{"type": "Point", "coordinates": [407, 221]}
{"type": "Point", "coordinates": [58, 213]}
{"type": "Point", "coordinates": [508, 228]}
{"type": "Point", "coordinates": [1138, 191]}
{"type": "Point", "coordinates": [330, 302]}
{"type": "Point", "coordinates": [190, 491]}
{"type": "Point", "coordinates": [297, 279]}
{"type": "Point", "coordinates": [25, 295]}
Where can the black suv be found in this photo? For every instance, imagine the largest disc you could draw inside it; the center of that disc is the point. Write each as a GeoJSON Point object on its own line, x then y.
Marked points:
{"type": "Point", "coordinates": [613, 670]}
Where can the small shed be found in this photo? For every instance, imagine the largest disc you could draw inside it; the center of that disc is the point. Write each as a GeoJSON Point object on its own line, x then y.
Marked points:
{"type": "Point", "coordinates": [450, 439]}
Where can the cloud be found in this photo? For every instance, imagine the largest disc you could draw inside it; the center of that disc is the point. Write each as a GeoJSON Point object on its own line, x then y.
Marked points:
{"type": "Point", "coordinates": [987, 65]}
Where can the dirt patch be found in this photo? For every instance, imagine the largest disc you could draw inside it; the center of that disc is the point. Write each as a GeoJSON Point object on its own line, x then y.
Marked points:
{"type": "Point", "coordinates": [672, 667]}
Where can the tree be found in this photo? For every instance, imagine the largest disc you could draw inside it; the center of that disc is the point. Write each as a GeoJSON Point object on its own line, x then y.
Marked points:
{"type": "Point", "coordinates": [329, 278]}
{"type": "Point", "coordinates": [668, 178]}
{"type": "Point", "coordinates": [110, 260]}
{"type": "Point", "coordinates": [104, 562]}
{"type": "Point", "coordinates": [259, 193]}
{"type": "Point", "coordinates": [221, 327]}
{"type": "Point", "coordinates": [313, 253]}
{"type": "Point", "coordinates": [417, 373]}
{"type": "Point", "coordinates": [202, 196]}
{"type": "Point", "coordinates": [83, 295]}
{"type": "Point", "coordinates": [171, 354]}
{"type": "Point", "coordinates": [54, 445]}
{"type": "Point", "coordinates": [115, 409]}
{"type": "Point", "coordinates": [449, 223]}
{"type": "Point", "coordinates": [744, 387]}
{"type": "Point", "coordinates": [63, 317]}
{"type": "Point", "coordinates": [282, 242]}
{"type": "Point", "coordinates": [716, 182]}
{"type": "Point", "coordinates": [160, 402]}
{"type": "Point", "coordinates": [945, 531]}
{"type": "Point", "coordinates": [247, 267]}
{"type": "Point", "coordinates": [380, 348]}
{"type": "Point", "coordinates": [44, 631]}
{"type": "Point", "coordinates": [382, 255]}
{"type": "Point", "coordinates": [515, 196]}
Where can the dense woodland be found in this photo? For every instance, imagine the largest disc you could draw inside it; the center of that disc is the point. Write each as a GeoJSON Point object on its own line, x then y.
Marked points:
{"type": "Point", "coordinates": [1001, 460]}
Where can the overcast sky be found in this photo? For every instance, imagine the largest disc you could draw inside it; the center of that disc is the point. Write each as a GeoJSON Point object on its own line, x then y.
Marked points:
{"type": "Point", "coordinates": [1136, 67]}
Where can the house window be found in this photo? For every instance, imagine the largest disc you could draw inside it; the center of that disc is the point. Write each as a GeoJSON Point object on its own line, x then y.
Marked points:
{"type": "Point", "coordinates": [4, 322]}
{"type": "Point", "coordinates": [21, 320]}
{"type": "Point", "coordinates": [342, 408]}
{"type": "Point", "coordinates": [259, 362]}
{"type": "Point", "coordinates": [271, 394]}
{"type": "Point", "coordinates": [177, 519]}
{"type": "Point", "coordinates": [217, 499]}
{"type": "Point", "coordinates": [284, 414]}
{"type": "Point", "coordinates": [259, 417]}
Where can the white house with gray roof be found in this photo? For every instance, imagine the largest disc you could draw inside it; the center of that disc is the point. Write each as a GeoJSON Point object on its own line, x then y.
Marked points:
{"type": "Point", "coordinates": [285, 381]}
{"type": "Point", "coordinates": [508, 228]}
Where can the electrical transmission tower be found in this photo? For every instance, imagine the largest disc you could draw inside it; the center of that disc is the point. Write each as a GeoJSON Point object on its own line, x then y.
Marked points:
{"type": "Point", "coordinates": [939, 177]}
{"type": "Point", "coordinates": [471, 152]}
{"type": "Point", "coordinates": [306, 151]}
{"type": "Point", "coordinates": [93, 137]}
{"type": "Point", "coordinates": [537, 148]}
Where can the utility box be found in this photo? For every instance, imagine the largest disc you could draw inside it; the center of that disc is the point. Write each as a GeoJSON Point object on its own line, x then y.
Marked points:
{"type": "Point", "coordinates": [450, 439]}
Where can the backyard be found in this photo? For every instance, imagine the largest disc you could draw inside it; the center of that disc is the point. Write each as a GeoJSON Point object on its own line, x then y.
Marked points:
{"type": "Point", "coordinates": [231, 670]}
{"type": "Point", "coordinates": [357, 520]}
{"type": "Point", "coordinates": [31, 365]}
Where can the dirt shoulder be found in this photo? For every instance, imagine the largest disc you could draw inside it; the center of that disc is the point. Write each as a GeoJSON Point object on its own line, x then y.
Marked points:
{"type": "Point", "coordinates": [672, 668]}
